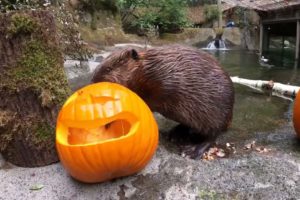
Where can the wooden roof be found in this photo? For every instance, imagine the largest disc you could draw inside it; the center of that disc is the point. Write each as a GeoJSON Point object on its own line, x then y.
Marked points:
{"type": "Point", "coordinates": [263, 5]}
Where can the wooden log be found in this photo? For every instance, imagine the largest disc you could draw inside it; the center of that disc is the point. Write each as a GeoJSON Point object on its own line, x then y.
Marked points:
{"type": "Point", "coordinates": [277, 89]}
{"type": "Point", "coordinates": [33, 86]}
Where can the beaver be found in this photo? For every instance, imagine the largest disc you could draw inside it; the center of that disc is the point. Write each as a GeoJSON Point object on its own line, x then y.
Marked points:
{"type": "Point", "coordinates": [182, 83]}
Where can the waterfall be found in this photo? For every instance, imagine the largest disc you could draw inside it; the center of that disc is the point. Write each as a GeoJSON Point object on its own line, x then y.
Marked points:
{"type": "Point", "coordinates": [213, 45]}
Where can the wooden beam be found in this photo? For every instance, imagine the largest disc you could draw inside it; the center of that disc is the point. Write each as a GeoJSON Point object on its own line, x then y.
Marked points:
{"type": "Point", "coordinates": [278, 20]}
{"type": "Point", "coordinates": [261, 38]}
{"type": "Point", "coordinates": [298, 41]}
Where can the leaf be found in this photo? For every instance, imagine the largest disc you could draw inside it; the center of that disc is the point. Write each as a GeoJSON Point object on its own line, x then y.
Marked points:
{"type": "Point", "coordinates": [36, 187]}
{"type": "Point", "coordinates": [220, 153]}
{"type": "Point", "coordinates": [262, 150]}
{"type": "Point", "coordinates": [230, 147]}
{"type": "Point", "coordinates": [213, 153]}
{"type": "Point", "coordinates": [249, 146]}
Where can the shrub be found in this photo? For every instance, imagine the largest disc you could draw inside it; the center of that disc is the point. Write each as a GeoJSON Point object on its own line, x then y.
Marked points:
{"type": "Point", "coordinates": [211, 12]}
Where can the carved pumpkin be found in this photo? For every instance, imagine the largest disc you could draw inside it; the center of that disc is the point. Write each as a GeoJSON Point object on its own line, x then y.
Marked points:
{"type": "Point", "coordinates": [296, 116]}
{"type": "Point", "coordinates": [105, 131]}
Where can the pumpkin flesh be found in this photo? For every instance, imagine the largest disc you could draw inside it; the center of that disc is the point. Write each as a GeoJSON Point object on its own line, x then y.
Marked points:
{"type": "Point", "coordinates": [114, 129]}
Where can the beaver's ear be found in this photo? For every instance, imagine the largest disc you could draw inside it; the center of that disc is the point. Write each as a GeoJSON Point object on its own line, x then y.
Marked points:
{"type": "Point", "coordinates": [134, 54]}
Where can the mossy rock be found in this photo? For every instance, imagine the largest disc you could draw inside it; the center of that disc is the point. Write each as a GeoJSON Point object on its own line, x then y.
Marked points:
{"type": "Point", "coordinates": [33, 87]}
{"type": "Point", "coordinates": [21, 24]}
{"type": "Point", "coordinates": [219, 32]}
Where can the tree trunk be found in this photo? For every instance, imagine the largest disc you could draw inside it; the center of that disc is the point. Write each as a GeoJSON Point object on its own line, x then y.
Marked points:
{"type": "Point", "coordinates": [277, 89]}
{"type": "Point", "coordinates": [33, 86]}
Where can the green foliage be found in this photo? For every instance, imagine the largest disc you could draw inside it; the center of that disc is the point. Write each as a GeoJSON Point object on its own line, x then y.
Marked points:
{"type": "Point", "coordinates": [43, 131]}
{"type": "Point", "coordinates": [146, 21]}
{"type": "Point", "coordinates": [210, 194]}
{"type": "Point", "coordinates": [73, 46]}
{"type": "Point", "coordinates": [21, 24]}
{"type": "Point", "coordinates": [40, 67]}
{"type": "Point", "coordinates": [172, 15]}
{"type": "Point", "coordinates": [94, 22]}
{"type": "Point", "coordinates": [6, 121]}
{"type": "Point", "coordinates": [69, 37]}
{"type": "Point", "coordinates": [211, 12]}
{"type": "Point", "coordinates": [94, 5]}
{"type": "Point", "coordinates": [219, 32]}
{"type": "Point", "coordinates": [241, 14]}
{"type": "Point", "coordinates": [34, 60]}
{"type": "Point", "coordinates": [166, 15]}
{"type": "Point", "coordinates": [6, 5]}
{"type": "Point", "coordinates": [200, 2]}
{"type": "Point", "coordinates": [127, 4]}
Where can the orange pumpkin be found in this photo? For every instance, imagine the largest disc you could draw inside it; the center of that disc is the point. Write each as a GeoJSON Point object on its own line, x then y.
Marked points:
{"type": "Point", "coordinates": [105, 131]}
{"type": "Point", "coordinates": [296, 116]}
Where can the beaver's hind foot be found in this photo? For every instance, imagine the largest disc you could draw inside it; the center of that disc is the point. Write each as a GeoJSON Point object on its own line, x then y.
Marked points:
{"type": "Point", "coordinates": [192, 144]}
{"type": "Point", "coordinates": [184, 135]}
{"type": "Point", "coordinates": [197, 151]}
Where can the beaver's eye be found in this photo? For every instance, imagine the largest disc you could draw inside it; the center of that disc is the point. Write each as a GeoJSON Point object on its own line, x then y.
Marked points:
{"type": "Point", "coordinates": [108, 69]}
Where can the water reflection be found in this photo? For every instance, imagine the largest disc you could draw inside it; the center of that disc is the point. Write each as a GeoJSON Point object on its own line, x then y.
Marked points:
{"type": "Point", "coordinates": [246, 64]}
{"type": "Point", "coordinates": [254, 111]}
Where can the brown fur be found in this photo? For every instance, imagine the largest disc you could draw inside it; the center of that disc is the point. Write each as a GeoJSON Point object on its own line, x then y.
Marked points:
{"type": "Point", "coordinates": [183, 84]}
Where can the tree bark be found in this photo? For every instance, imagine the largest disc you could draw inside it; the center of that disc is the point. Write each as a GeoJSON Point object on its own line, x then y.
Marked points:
{"type": "Point", "coordinates": [277, 89]}
{"type": "Point", "coordinates": [33, 86]}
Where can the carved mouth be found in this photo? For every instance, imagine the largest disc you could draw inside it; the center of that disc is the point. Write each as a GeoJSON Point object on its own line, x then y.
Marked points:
{"type": "Point", "coordinates": [114, 129]}
{"type": "Point", "coordinates": [89, 120]}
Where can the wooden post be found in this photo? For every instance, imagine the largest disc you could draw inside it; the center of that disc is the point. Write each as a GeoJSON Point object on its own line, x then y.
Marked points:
{"type": "Point", "coordinates": [267, 37]}
{"type": "Point", "coordinates": [298, 40]}
{"type": "Point", "coordinates": [261, 39]}
{"type": "Point", "coordinates": [282, 47]}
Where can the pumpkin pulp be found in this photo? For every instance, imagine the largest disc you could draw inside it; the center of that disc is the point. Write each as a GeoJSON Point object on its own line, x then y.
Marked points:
{"type": "Point", "coordinates": [115, 129]}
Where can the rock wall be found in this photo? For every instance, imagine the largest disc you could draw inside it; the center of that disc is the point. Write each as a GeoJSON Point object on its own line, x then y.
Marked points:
{"type": "Point", "coordinates": [200, 37]}
{"type": "Point", "coordinates": [232, 36]}
{"type": "Point", "coordinates": [103, 28]}
{"type": "Point", "coordinates": [190, 36]}
{"type": "Point", "coordinates": [250, 38]}
{"type": "Point", "coordinates": [250, 33]}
